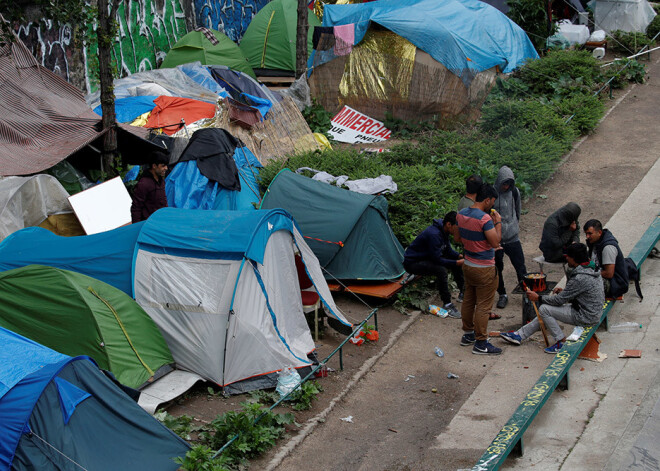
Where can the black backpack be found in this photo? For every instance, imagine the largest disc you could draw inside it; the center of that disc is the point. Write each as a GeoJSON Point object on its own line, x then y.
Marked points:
{"type": "Point", "coordinates": [633, 275]}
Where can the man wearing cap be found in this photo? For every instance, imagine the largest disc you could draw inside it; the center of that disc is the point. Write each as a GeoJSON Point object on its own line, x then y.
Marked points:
{"type": "Point", "coordinates": [149, 194]}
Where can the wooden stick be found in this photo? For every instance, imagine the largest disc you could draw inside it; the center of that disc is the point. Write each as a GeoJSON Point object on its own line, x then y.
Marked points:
{"type": "Point", "coordinates": [538, 316]}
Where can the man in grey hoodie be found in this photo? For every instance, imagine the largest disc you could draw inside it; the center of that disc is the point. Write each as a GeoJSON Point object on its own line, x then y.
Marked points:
{"type": "Point", "coordinates": [579, 303]}
{"type": "Point", "coordinates": [508, 205]}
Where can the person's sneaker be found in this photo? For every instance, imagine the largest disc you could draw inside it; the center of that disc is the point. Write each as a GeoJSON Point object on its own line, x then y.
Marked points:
{"type": "Point", "coordinates": [483, 347]}
{"type": "Point", "coordinates": [460, 297]}
{"type": "Point", "coordinates": [452, 311]}
{"type": "Point", "coordinates": [554, 349]}
{"type": "Point", "coordinates": [468, 339]}
{"type": "Point", "coordinates": [502, 302]}
{"type": "Point", "coordinates": [511, 337]}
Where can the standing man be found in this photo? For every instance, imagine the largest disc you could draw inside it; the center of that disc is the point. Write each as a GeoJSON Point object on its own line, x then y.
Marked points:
{"type": "Point", "coordinates": [472, 185]}
{"type": "Point", "coordinates": [560, 230]}
{"type": "Point", "coordinates": [604, 250]}
{"type": "Point", "coordinates": [431, 254]}
{"type": "Point", "coordinates": [480, 233]}
{"type": "Point", "coordinates": [508, 205]}
{"type": "Point", "coordinates": [580, 303]}
{"type": "Point", "coordinates": [149, 193]}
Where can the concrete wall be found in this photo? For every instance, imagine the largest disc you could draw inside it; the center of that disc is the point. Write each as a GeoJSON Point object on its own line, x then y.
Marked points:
{"type": "Point", "coordinates": [147, 30]}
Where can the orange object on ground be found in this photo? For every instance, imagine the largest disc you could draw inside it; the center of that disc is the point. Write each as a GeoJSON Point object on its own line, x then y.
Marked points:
{"type": "Point", "coordinates": [590, 350]}
{"type": "Point", "coordinates": [372, 336]}
{"type": "Point", "coordinates": [170, 110]}
{"type": "Point", "coordinates": [384, 290]}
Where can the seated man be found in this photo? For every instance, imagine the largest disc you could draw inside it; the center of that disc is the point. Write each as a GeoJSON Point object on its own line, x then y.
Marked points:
{"type": "Point", "coordinates": [606, 254]}
{"type": "Point", "coordinates": [580, 303]}
{"type": "Point", "coordinates": [431, 254]}
{"type": "Point", "coordinates": [559, 231]}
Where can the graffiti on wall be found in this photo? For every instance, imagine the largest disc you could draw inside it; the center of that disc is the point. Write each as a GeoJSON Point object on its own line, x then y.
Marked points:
{"type": "Point", "coordinates": [50, 45]}
{"type": "Point", "coordinates": [232, 17]}
{"type": "Point", "coordinates": [146, 31]}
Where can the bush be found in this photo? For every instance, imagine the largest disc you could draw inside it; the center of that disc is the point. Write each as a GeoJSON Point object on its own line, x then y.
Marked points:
{"type": "Point", "coordinates": [628, 43]}
{"type": "Point", "coordinates": [318, 119]}
{"type": "Point", "coordinates": [542, 75]}
{"type": "Point", "coordinates": [623, 71]}
{"type": "Point", "coordinates": [586, 111]}
{"type": "Point", "coordinates": [653, 28]}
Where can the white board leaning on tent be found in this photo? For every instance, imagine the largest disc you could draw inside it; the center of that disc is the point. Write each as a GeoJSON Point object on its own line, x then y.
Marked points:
{"type": "Point", "coordinates": [103, 207]}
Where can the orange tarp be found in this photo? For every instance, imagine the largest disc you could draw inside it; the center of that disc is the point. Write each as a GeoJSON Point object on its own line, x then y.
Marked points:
{"type": "Point", "coordinates": [170, 110]}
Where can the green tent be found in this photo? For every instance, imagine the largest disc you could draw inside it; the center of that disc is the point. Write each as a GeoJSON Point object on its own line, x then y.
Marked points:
{"type": "Point", "coordinates": [196, 46]}
{"type": "Point", "coordinates": [78, 315]}
{"type": "Point", "coordinates": [270, 40]}
{"type": "Point", "coordinates": [349, 232]}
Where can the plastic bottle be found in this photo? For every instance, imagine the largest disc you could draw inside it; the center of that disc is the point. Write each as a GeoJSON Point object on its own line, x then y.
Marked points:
{"type": "Point", "coordinates": [625, 327]}
{"type": "Point", "coordinates": [437, 311]}
{"type": "Point", "coordinates": [439, 352]}
{"type": "Point", "coordinates": [287, 380]}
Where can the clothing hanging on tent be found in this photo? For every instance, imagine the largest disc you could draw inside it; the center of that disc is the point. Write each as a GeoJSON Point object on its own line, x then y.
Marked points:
{"type": "Point", "coordinates": [213, 149]}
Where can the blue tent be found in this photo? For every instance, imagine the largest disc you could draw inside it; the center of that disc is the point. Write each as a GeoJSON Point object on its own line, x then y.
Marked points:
{"type": "Point", "coordinates": [187, 188]}
{"type": "Point", "coordinates": [463, 35]}
{"type": "Point", "coordinates": [56, 410]}
{"type": "Point", "coordinates": [107, 256]}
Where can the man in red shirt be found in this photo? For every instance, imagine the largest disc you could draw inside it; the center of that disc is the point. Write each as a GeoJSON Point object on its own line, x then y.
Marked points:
{"type": "Point", "coordinates": [149, 194]}
{"type": "Point", "coordinates": [480, 231]}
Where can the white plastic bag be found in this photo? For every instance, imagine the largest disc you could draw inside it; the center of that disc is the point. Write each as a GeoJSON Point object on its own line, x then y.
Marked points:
{"type": "Point", "coordinates": [287, 380]}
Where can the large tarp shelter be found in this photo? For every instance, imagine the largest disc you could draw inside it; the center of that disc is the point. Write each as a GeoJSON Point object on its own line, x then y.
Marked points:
{"type": "Point", "coordinates": [107, 256]}
{"type": "Point", "coordinates": [209, 47]}
{"type": "Point", "coordinates": [43, 118]}
{"type": "Point", "coordinates": [56, 410]}
{"type": "Point", "coordinates": [223, 288]}
{"type": "Point", "coordinates": [78, 315]}
{"type": "Point", "coordinates": [349, 232]}
{"type": "Point", "coordinates": [414, 59]}
{"type": "Point", "coordinates": [270, 40]}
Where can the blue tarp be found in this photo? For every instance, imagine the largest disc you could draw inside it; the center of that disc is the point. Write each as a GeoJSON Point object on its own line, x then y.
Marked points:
{"type": "Point", "coordinates": [107, 256]}
{"type": "Point", "coordinates": [187, 188]}
{"type": "Point", "coordinates": [463, 35]}
{"type": "Point", "coordinates": [129, 108]}
{"type": "Point", "coordinates": [201, 75]}
{"type": "Point", "coordinates": [234, 233]}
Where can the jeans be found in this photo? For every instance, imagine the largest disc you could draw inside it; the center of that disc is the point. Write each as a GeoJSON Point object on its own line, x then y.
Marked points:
{"type": "Point", "coordinates": [515, 253]}
{"type": "Point", "coordinates": [478, 297]}
{"type": "Point", "coordinates": [550, 316]}
{"type": "Point", "coordinates": [425, 267]}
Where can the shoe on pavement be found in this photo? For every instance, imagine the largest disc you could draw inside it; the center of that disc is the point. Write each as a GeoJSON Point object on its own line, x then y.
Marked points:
{"type": "Point", "coordinates": [502, 301]}
{"type": "Point", "coordinates": [493, 317]}
{"type": "Point", "coordinates": [452, 311]}
{"type": "Point", "coordinates": [554, 349]}
{"type": "Point", "coordinates": [460, 297]}
{"type": "Point", "coordinates": [511, 337]}
{"type": "Point", "coordinates": [468, 339]}
{"type": "Point", "coordinates": [483, 347]}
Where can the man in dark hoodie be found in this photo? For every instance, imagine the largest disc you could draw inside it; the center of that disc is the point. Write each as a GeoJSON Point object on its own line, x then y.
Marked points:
{"type": "Point", "coordinates": [579, 303]}
{"type": "Point", "coordinates": [604, 250]}
{"type": "Point", "coordinates": [560, 230]}
{"type": "Point", "coordinates": [508, 205]}
{"type": "Point", "coordinates": [431, 254]}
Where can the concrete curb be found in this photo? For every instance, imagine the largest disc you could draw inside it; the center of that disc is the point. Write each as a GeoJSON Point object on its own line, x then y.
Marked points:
{"type": "Point", "coordinates": [319, 418]}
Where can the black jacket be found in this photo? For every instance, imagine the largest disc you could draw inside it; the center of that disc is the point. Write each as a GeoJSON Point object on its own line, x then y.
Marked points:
{"type": "Point", "coordinates": [620, 281]}
{"type": "Point", "coordinates": [557, 234]}
{"type": "Point", "coordinates": [432, 245]}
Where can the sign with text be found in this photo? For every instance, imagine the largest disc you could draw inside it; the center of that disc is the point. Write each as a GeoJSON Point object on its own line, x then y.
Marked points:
{"type": "Point", "coordinates": [354, 127]}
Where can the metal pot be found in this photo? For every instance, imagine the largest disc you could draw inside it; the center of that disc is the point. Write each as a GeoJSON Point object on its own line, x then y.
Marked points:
{"type": "Point", "coordinates": [536, 281]}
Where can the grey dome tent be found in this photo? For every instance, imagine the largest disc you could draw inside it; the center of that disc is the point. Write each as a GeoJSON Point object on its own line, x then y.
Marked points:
{"type": "Point", "coordinates": [349, 232]}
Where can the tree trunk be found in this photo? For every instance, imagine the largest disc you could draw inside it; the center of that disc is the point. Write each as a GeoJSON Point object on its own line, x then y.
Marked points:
{"type": "Point", "coordinates": [301, 39]}
{"type": "Point", "coordinates": [105, 35]}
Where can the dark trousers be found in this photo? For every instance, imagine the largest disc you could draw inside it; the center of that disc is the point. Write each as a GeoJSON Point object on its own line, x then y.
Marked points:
{"type": "Point", "coordinates": [515, 253]}
{"type": "Point", "coordinates": [425, 267]}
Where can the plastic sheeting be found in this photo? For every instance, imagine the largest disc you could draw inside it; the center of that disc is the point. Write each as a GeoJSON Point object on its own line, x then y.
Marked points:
{"type": "Point", "coordinates": [202, 76]}
{"type": "Point", "coordinates": [27, 201]}
{"type": "Point", "coordinates": [129, 108]}
{"type": "Point", "coordinates": [174, 81]}
{"type": "Point", "coordinates": [463, 35]}
{"type": "Point", "coordinates": [626, 15]}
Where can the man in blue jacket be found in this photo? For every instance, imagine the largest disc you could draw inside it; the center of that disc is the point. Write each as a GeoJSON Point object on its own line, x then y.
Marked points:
{"type": "Point", "coordinates": [431, 254]}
